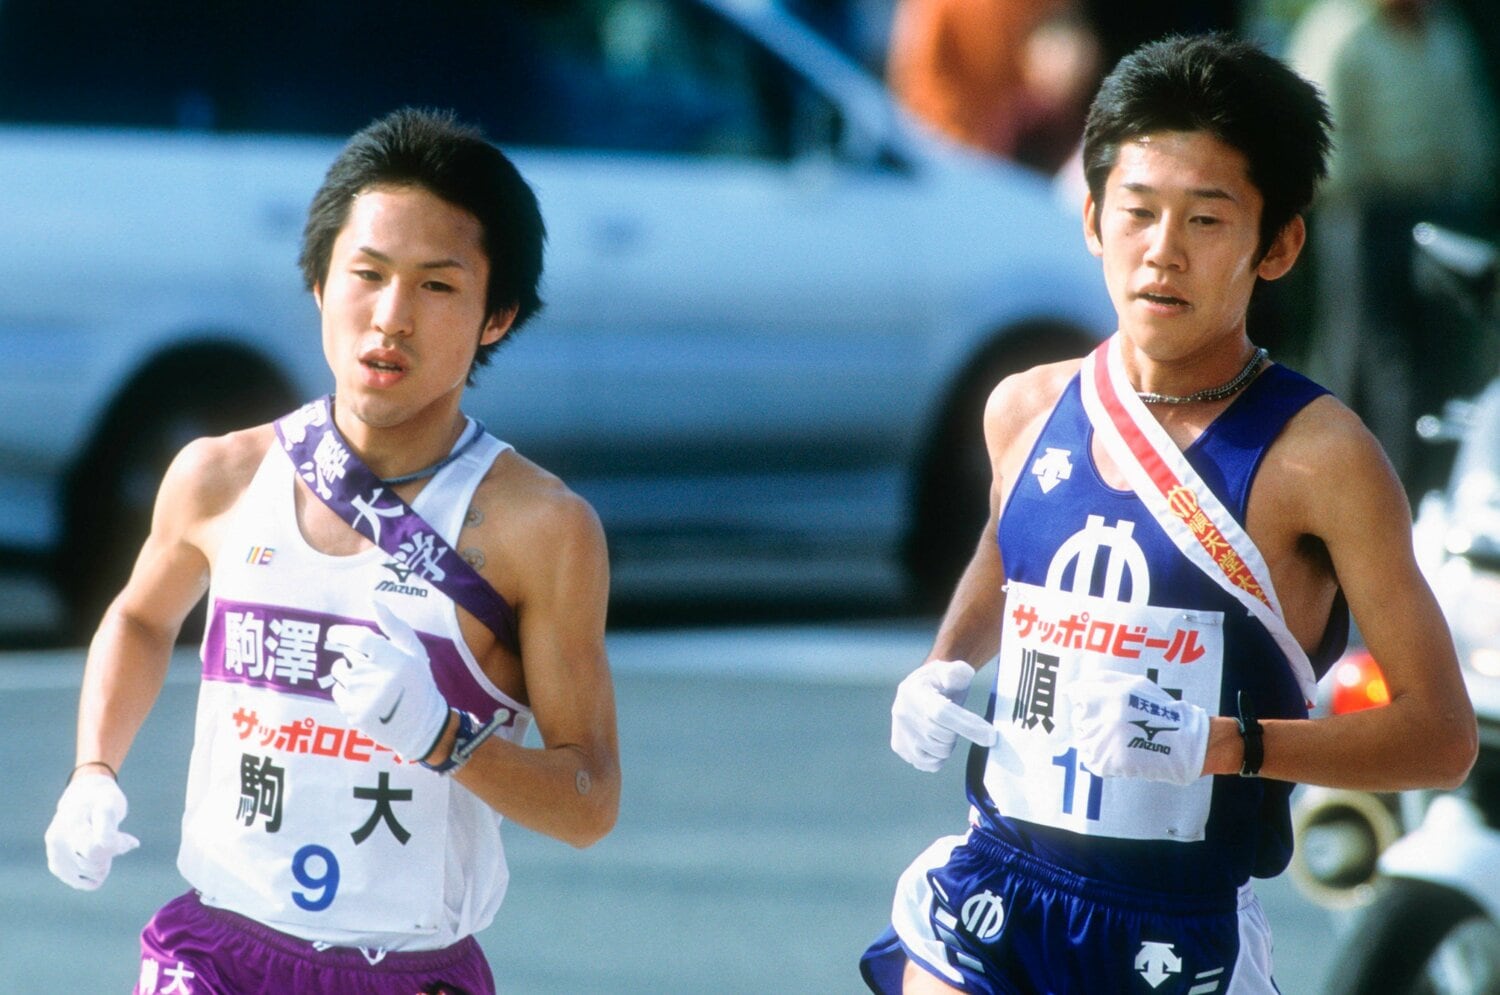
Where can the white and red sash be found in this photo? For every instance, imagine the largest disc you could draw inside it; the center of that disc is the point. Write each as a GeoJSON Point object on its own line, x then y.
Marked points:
{"type": "Point", "coordinates": [1189, 512]}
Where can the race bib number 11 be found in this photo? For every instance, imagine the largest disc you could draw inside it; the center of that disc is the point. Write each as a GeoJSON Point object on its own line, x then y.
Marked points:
{"type": "Point", "coordinates": [1050, 638]}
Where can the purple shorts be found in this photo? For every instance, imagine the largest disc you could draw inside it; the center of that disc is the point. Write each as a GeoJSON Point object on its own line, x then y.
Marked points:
{"type": "Point", "coordinates": [190, 949]}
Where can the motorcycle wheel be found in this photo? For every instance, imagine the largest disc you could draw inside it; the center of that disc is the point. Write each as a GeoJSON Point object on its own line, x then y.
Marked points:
{"type": "Point", "coordinates": [1418, 938]}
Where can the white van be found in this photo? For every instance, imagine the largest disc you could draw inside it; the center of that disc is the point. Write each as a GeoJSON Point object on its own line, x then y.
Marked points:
{"type": "Point", "coordinates": [774, 305]}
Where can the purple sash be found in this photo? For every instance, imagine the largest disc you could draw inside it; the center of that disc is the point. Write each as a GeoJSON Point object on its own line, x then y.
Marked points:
{"type": "Point", "coordinates": [352, 491]}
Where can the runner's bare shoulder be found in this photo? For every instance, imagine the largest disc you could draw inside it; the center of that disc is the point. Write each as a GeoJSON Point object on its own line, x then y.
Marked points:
{"type": "Point", "coordinates": [1020, 400]}
{"type": "Point", "coordinates": [527, 522]}
{"type": "Point", "coordinates": [1323, 443]}
{"type": "Point", "coordinates": [210, 473]}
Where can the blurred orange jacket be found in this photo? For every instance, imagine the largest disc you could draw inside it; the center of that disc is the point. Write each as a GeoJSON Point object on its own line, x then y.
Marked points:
{"type": "Point", "coordinates": [957, 64]}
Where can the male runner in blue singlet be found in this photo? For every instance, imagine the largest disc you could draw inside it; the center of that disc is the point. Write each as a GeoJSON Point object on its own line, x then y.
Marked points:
{"type": "Point", "coordinates": [394, 597]}
{"type": "Point", "coordinates": [1175, 527]}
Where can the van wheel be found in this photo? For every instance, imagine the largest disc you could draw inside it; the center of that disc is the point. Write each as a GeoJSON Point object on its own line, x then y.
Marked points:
{"type": "Point", "coordinates": [1418, 938]}
{"type": "Point", "coordinates": [112, 490]}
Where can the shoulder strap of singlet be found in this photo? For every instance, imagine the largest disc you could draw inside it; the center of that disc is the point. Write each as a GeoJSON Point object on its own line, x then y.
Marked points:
{"type": "Point", "coordinates": [1230, 450]}
{"type": "Point", "coordinates": [350, 489]}
{"type": "Point", "coordinates": [1229, 453]}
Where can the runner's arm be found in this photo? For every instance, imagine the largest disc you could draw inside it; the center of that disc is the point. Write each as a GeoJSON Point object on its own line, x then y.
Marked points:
{"type": "Point", "coordinates": [1013, 415]}
{"type": "Point", "coordinates": [970, 628]}
{"type": "Point", "coordinates": [570, 788]}
{"type": "Point", "coordinates": [1426, 736]}
{"type": "Point", "coordinates": [128, 656]}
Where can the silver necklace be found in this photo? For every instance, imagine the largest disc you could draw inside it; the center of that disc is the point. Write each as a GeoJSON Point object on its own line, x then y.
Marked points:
{"type": "Point", "coordinates": [475, 431]}
{"type": "Point", "coordinates": [1209, 393]}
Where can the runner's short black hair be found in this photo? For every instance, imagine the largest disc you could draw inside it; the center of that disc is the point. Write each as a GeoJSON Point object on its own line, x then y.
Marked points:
{"type": "Point", "coordinates": [433, 150]}
{"type": "Point", "coordinates": [1231, 89]}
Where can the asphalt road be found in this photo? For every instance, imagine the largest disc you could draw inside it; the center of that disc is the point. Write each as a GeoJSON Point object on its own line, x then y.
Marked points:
{"type": "Point", "coordinates": [763, 825]}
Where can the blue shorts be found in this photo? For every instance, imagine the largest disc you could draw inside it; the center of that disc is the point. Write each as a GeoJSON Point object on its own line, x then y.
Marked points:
{"type": "Point", "coordinates": [987, 918]}
{"type": "Point", "coordinates": [190, 949]}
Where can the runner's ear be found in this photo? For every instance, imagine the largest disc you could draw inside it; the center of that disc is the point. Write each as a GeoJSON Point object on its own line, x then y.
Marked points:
{"type": "Point", "coordinates": [497, 325]}
{"type": "Point", "coordinates": [1285, 248]}
{"type": "Point", "coordinates": [1091, 225]}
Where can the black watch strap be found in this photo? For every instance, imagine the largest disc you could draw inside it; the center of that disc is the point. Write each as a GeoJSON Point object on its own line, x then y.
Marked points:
{"type": "Point", "coordinates": [1251, 735]}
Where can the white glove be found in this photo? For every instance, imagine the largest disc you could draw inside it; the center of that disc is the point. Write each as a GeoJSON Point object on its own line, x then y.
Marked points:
{"type": "Point", "coordinates": [84, 837]}
{"type": "Point", "coordinates": [1126, 726]}
{"type": "Point", "coordinates": [384, 685]}
{"type": "Point", "coordinates": [928, 716]}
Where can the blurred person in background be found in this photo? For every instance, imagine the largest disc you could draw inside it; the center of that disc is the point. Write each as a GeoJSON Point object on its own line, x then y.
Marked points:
{"type": "Point", "coordinates": [395, 595]}
{"type": "Point", "coordinates": [1178, 533]}
{"type": "Point", "coordinates": [1060, 69]}
{"type": "Point", "coordinates": [999, 76]}
{"type": "Point", "coordinates": [1416, 141]}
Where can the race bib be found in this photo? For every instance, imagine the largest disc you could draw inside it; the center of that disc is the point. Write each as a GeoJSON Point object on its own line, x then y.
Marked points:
{"type": "Point", "coordinates": [1051, 638]}
{"type": "Point", "coordinates": [300, 821]}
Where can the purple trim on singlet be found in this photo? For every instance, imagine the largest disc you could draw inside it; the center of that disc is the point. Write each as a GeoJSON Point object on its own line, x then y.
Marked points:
{"type": "Point", "coordinates": [351, 490]}
{"type": "Point", "coordinates": [295, 665]}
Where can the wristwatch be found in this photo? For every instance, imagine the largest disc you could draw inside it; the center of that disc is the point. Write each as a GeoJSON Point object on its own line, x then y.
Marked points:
{"type": "Point", "coordinates": [470, 735]}
{"type": "Point", "coordinates": [1251, 734]}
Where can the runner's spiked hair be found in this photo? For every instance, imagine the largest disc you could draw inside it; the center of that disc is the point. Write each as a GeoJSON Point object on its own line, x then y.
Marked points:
{"type": "Point", "coordinates": [433, 150]}
{"type": "Point", "coordinates": [1234, 91]}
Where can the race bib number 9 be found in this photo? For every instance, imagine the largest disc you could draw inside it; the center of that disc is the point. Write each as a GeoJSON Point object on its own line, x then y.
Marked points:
{"type": "Point", "coordinates": [302, 822]}
{"type": "Point", "coordinates": [1050, 639]}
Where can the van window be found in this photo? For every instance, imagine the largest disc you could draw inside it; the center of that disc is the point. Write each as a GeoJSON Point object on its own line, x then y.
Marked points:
{"type": "Point", "coordinates": [640, 75]}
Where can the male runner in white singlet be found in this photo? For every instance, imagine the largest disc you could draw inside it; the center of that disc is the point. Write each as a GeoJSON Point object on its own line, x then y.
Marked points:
{"type": "Point", "coordinates": [1175, 527]}
{"type": "Point", "coordinates": [394, 596]}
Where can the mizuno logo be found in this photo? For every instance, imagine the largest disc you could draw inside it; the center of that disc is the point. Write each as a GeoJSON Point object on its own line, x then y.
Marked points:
{"type": "Point", "coordinates": [399, 585]}
{"type": "Point", "coordinates": [395, 588]}
{"type": "Point", "coordinates": [1142, 743]}
{"type": "Point", "coordinates": [401, 570]}
{"type": "Point", "coordinates": [1151, 730]}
